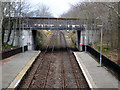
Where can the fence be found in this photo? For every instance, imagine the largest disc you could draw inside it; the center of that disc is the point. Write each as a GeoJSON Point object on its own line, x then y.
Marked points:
{"type": "Point", "coordinates": [12, 52]}
{"type": "Point", "coordinates": [105, 61]}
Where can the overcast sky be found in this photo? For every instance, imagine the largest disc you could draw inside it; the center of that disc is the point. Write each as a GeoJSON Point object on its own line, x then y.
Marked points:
{"type": "Point", "coordinates": [57, 7]}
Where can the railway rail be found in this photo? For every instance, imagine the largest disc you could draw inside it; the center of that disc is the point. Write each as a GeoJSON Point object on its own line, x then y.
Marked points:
{"type": "Point", "coordinates": [75, 70]}
{"type": "Point", "coordinates": [55, 69]}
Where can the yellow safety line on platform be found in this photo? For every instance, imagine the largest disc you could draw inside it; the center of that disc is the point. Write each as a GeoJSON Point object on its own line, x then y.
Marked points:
{"type": "Point", "coordinates": [19, 77]}
{"type": "Point", "coordinates": [85, 72]}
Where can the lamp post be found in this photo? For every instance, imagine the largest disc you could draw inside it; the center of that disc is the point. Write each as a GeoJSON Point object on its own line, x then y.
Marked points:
{"type": "Point", "coordinates": [101, 45]}
{"type": "Point", "coordinates": [101, 26]}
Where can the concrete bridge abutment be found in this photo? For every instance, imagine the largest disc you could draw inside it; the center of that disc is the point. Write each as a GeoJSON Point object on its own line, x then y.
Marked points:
{"type": "Point", "coordinates": [34, 39]}
{"type": "Point", "coordinates": [78, 37]}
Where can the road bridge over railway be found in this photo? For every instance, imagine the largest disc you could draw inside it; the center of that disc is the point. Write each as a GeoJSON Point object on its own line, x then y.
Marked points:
{"type": "Point", "coordinates": [46, 23]}
{"type": "Point", "coordinates": [26, 24]}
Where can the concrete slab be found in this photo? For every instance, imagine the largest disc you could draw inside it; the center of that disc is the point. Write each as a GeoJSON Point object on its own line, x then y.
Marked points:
{"type": "Point", "coordinates": [11, 69]}
{"type": "Point", "coordinates": [97, 77]}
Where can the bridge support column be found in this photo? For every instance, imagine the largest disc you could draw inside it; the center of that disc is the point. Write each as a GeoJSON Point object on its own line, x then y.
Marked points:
{"type": "Point", "coordinates": [34, 34]}
{"type": "Point", "coordinates": [78, 39]}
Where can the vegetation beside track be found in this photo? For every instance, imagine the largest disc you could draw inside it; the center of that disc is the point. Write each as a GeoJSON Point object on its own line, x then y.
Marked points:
{"type": "Point", "coordinates": [107, 51]}
{"type": "Point", "coordinates": [43, 37]}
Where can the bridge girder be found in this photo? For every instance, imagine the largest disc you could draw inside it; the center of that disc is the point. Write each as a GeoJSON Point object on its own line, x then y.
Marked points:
{"type": "Point", "coordinates": [31, 22]}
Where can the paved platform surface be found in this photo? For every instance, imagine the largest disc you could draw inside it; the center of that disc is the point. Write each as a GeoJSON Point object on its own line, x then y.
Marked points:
{"type": "Point", "coordinates": [14, 65]}
{"type": "Point", "coordinates": [97, 77]}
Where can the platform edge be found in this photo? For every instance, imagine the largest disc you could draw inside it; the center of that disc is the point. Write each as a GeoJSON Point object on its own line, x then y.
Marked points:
{"type": "Point", "coordinates": [15, 83]}
{"type": "Point", "coordinates": [85, 72]}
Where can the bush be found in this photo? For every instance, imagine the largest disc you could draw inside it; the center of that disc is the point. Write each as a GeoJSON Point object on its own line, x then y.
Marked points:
{"type": "Point", "coordinates": [105, 49]}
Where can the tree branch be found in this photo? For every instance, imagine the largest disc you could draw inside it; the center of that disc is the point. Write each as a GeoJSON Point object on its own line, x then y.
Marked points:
{"type": "Point", "coordinates": [109, 6]}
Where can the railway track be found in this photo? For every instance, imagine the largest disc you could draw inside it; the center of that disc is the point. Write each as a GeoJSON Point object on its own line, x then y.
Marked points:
{"type": "Point", "coordinates": [38, 65]}
{"type": "Point", "coordinates": [55, 69]}
{"type": "Point", "coordinates": [74, 66]}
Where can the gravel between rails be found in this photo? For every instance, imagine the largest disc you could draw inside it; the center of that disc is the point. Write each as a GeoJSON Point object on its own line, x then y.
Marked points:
{"type": "Point", "coordinates": [57, 69]}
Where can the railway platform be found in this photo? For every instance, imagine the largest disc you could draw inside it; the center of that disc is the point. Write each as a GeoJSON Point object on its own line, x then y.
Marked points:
{"type": "Point", "coordinates": [15, 67]}
{"type": "Point", "coordinates": [96, 76]}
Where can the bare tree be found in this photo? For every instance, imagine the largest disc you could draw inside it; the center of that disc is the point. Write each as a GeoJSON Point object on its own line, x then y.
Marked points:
{"type": "Point", "coordinates": [119, 36]}
{"type": "Point", "coordinates": [112, 6]}
{"type": "Point", "coordinates": [1, 18]}
{"type": "Point", "coordinates": [41, 11]}
{"type": "Point", "coordinates": [13, 9]}
{"type": "Point", "coordinates": [96, 13]}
